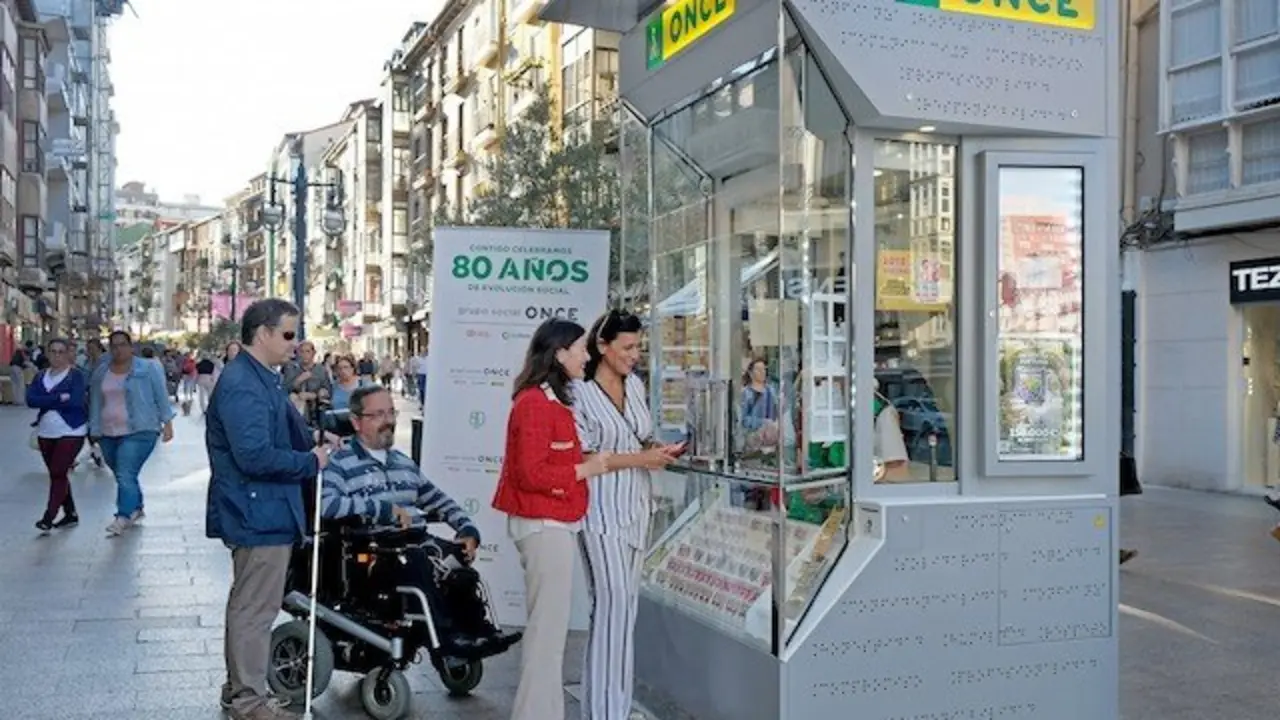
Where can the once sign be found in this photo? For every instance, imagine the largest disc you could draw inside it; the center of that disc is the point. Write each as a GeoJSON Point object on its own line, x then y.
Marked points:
{"type": "Point", "coordinates": [1073, 14]}
{"type": "Point", "coordinates": [679, 25]}
{"type": "Point", "coordinates": [1255, 281]}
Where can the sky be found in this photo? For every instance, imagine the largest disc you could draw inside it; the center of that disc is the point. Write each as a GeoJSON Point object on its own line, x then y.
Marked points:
{"type": "Point", "coordinates": [206, 88]}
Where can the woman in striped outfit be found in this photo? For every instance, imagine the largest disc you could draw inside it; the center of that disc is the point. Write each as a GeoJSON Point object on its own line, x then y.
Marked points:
{"type": "Point", "coordinates": [613, 417]}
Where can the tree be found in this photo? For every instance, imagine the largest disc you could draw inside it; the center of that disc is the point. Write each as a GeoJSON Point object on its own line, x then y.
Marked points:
{"type": "Point", "coordinates": [539, 179]}
{"type": "Point", "coordinates": [222, 333]}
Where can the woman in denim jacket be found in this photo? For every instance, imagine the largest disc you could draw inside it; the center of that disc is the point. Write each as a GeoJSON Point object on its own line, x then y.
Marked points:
{"type": "Point", "coordinates": [128, 409]}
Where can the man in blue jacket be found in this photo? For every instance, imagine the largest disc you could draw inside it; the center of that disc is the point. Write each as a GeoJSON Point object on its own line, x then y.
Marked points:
{"type": "Point", "coordinates": [261, 456]}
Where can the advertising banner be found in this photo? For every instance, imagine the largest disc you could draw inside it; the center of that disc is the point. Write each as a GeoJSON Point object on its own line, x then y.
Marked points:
{"type": "Point", "coordinates": [492, 288]}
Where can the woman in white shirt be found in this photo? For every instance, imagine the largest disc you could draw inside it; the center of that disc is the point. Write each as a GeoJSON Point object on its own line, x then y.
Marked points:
{"type": "Point", "coordinates": [613, 418]}
{"type": "Point", "coordinates": [59, 393]}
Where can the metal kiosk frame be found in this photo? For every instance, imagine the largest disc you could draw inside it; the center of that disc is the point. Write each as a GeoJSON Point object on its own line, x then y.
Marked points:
{"type": "Point", "coordinates": [789, 575]}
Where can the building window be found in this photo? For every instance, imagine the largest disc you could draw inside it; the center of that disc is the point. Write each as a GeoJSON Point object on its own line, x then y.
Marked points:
{"type": "Point", "coordinates": [1195, 60]}
{"type": "Point", "coordinates": [32, 247]}
{"type": "Point", "coordinates": [1260, 152]}
{"type": "Point", "coordinates": [32, 65]}
{"type": "Point", "coordinates": [399, 222]}
{"type": "Point", "coordinates": [32, 150]}
{"type": "Point", "coordinates": [8, 77]}
{"type": "Point", "coordinates": [1208, 165]}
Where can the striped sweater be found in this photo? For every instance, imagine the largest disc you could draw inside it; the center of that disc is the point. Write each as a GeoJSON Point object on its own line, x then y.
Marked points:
{"type": "Point", "coordinates": [356, 484]}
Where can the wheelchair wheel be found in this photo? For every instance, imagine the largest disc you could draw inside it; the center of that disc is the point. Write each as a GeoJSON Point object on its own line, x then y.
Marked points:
{"type": "Point", "coordinates": [385, 695]}
{"type": "Point", "coordinates": [462, 677]}
{"type": "Point", "coordinates": [287, 672]}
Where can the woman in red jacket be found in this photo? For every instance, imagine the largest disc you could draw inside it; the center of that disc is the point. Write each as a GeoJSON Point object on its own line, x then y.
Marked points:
{"type": "Point", "coordinates": [543, 491]}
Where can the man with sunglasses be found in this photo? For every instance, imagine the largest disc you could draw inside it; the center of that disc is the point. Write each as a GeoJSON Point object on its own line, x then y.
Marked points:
{"type": "Point", "coordinates": [262, 458]}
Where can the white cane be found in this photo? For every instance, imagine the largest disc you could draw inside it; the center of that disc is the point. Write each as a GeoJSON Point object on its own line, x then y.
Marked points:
{"type": "Point", "coordinates": [315, 588]}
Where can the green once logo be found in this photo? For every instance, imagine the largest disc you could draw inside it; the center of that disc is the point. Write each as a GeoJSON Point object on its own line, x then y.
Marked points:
{"type": "Point", "coordinates": [556, 270]}
{"type": "Point", "coordinates": [653, 44]}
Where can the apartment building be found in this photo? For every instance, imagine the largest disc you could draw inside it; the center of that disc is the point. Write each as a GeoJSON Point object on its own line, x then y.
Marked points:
{"type": "Point", "coordinates": [247, 246]}
{"type": "Point", "coordinates": [1203, 191]}
{"type": "Point", "coordinates": [476, 67]}
{"type": "Point", "coordinates": [135, 204]}
{"type": "Point", "coordinates": [346, 284]}
{"type": "Point", "coordinates": [308, 148]}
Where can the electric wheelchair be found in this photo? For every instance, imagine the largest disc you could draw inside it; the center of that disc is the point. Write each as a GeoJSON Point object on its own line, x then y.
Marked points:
{"type": "Point", "coordinates": [375, 618]}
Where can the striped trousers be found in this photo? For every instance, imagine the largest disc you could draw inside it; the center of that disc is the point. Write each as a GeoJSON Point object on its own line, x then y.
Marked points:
{"type": "Point", "coordinates": [612, 565]}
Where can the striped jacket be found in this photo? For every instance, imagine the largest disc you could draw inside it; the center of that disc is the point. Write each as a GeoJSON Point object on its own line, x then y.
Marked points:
{"type": "Point", "coordinates": [355, 484]}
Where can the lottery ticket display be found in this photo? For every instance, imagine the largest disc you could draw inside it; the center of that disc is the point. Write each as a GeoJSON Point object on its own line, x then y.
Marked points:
{"type": "Point", "coordinates": [719, 563]}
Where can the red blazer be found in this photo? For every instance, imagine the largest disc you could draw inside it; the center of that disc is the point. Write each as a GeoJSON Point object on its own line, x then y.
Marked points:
{"type": "Point", "coordinates": [539, 479]}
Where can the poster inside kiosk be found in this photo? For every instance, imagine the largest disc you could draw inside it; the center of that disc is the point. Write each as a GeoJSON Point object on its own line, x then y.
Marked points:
{"type": "Point", "coordinates": [492, 288]}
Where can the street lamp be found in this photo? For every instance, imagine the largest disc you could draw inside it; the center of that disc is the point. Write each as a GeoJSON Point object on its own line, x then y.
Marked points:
{"type": "Point", "coordinates": [236, 246]}
{"type": "Point", "coordinates": [332, 221]}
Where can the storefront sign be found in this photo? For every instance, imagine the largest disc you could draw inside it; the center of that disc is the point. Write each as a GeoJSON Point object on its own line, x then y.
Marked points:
{"type": "Point", "coordinates": [1255, 281]}
{"type": "Point", "coordinates": [680, 24]}
{"type": "Point", "coordinates": [491, 290]}
{"type": "Point", "coordinates": [1073, 14]}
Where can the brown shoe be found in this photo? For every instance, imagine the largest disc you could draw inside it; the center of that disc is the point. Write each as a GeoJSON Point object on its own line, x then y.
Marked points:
{"type": "Point", "coordinates": [265, 710]}
{"type": "Point", "coordinates": [1275, 532]}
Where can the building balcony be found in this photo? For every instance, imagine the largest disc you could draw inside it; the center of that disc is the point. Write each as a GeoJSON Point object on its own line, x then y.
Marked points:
{"type": "Point", "coordinates": [79, 14]}
{"type": "Point", "coordinates": [486, 131]}
{"type": "Point", "coordinates": [55, 88]}
{"type": "Point", "coordinates": [426, 108]}
{"type": "Point", "coordinates": [373, 310]}
{"type": "Point", "coordinates": [33, 280]}
{"type": "Point", "coordinates": [8, 251]}
{"type": "Point", "coordinates": [399, 245]}
{"type": "Point", "coordinates": [1228, 176]}
{"type": "Point", "coordinates": [458, 160]}
{"type": "Point", "coordinates": [485, 52]}
{"type": "Point", "coordinates": [57, 168]}
{"type": "Point", "coordinates": [526, 12]}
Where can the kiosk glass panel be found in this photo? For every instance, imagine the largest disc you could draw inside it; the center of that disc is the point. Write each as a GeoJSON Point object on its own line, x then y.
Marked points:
{"type": "Point", "coordinates": [915, 350]}
{"type": "Point", "coordinates": [1040, 328]}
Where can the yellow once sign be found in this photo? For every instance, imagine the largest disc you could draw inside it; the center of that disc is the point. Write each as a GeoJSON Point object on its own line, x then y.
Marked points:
{"type": "Point", "coordinates": [679, 25]}
{"type": "Point", "coordinates": [1074, 14]}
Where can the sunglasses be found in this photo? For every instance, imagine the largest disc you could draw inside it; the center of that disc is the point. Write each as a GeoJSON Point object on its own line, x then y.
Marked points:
{"type": "Point", "coordinates": [610, 320]}
{"type": "Point", "coordinates": [289, 334]}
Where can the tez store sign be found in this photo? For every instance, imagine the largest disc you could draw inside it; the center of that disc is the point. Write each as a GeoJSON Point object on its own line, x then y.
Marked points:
{"type": "Point", "coordinates": [1255, 281]}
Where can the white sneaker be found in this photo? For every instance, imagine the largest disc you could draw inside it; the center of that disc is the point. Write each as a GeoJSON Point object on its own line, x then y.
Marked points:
{"type": "Point", "coordinates": [118, 526]}
{"type": "Point", "coordinates": [137, 516]}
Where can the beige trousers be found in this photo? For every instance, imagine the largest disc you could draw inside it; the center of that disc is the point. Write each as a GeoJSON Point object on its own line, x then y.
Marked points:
{"type": "Point", "coordinates": [257, 590]}
{"type": "Point", "coordinates": [547, 558]}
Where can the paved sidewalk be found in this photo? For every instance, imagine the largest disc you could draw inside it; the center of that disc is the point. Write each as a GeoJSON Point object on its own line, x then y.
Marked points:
{"type": "Point", "coordinates": [131, 628]}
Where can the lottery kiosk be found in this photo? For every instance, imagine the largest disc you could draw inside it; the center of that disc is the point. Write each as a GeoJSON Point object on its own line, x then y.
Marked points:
{"type": "Point", "coordinates": [875, 243]}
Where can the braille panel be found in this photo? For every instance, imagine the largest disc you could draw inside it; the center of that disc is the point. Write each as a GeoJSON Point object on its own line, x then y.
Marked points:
{"type": "Point", "coordinates": [915, 62]}
{"type": "Point", "coordinates": [970, 623]}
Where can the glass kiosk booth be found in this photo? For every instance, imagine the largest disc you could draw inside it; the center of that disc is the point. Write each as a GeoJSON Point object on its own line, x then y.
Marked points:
{"type": "Point", "coordinates": [875, 242]}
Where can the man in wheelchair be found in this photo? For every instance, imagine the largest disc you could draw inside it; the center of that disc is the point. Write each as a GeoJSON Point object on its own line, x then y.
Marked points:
{"type": "Point", "coordinates": [368, 479]}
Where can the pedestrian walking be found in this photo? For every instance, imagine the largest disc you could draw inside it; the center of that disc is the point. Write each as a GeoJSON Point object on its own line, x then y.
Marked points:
{"type": "Point", "coordinates": [128, 411]}
{"type": "Point", "coordinates": [307, 381]}
{"type": "Point", "coordinates": [346, 382]}
{"type": "Point", "coordinates": [542, 490]}
{"type": "Point", "coordinates": [261, 456]}
{"type": "Point", "coordinates": [94, 355]}
{"type": "Point", "coordinates": [59, 393]}
{"type": "Point", "coordinates": [205, 369]}
{"type": "Point", "coordinates": [418, 367]}
{"type": "Point", "coordinates": [613, 418]}
{"type": "Point", "coordinates": [18, 363]}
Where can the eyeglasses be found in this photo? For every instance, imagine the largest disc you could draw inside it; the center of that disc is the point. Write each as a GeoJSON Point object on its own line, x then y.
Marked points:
{"type": "Point", "coordinates": [387, 414]}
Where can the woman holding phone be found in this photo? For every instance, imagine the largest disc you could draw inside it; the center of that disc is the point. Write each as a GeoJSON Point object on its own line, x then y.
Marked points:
{"type": "Point", "coordinates": [543, 491]}
{"type": "Point", "coordinates": [613, 418]}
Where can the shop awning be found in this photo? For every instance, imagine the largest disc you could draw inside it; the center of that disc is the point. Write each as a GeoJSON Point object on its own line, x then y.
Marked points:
{"type": "Point", "coordinates": [690, 299]}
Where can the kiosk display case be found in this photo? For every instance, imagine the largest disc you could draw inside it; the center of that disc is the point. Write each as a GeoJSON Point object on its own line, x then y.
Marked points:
{"type": "Point", "coordinates": [881, 283]}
